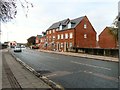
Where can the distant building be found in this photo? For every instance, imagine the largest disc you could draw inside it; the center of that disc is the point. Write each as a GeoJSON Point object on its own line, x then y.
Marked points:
{"type": "Point", "coordinates": [38, 39]}
{"type": "Point", "coordinates": [43, 44]}
{"type": "Point", "coordinates": [107, 40]}
{"type": "Point", "coordinates": [12, 44]}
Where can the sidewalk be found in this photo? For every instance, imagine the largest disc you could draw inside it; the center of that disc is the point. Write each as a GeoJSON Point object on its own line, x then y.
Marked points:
{"type": "Point", "coordinates": [14, 75]}
{"type": "Point", "coordinates": [103, 58]}
{"type": "Point", "coordinates": [0, 69]}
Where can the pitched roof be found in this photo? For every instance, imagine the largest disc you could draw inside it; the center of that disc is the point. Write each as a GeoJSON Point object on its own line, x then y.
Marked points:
{"type": "Point", "coordinates": [57, 24]}
{"type": "Point", "coordinates": [106, 28]}
{"type": "Point", "coordinates": [39, 36]}
{"type": "Point", "coordinates": [75, 22]}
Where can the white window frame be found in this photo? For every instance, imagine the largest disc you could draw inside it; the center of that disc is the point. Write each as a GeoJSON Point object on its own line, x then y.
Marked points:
{"type": "Point", "coordinates": [58, 36]}
{"type": "Point", "coordinates": [66, 36]}
{"type": "Point", "coordinates": [85, 26]}
{"type": "Point", "coordinates": [62, 36]}
{"type": "Point", "coordinates": [71, 35]}
{"type": "Point", "coordinates": [60, 28]}
{"type": "Point", "coordinates": [50, 32]}
{"type": "Point", "coordinates": [85, 35]}
{"type": "Point", "coordinates": [53, 30]}
{"type": "Point", "coordinates": [69, 25]}
{"type": "Point", "coordinates": [53, 37]}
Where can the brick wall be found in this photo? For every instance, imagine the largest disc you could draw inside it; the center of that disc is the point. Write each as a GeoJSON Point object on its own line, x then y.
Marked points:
{"type": "Point", "coordinates": [89, 40]}
{"type": "Point", "coordinates": [65, 43]}
{"type": "Point", "coordinates": [107, 40]}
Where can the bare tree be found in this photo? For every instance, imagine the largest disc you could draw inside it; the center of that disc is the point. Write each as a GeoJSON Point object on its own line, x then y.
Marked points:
{"type": "Point", "coordinates": [115, 22]}
{"type": "Point", "coordinates": [8, 9]}
{"type": "Point", "coordinates": [114, 28]}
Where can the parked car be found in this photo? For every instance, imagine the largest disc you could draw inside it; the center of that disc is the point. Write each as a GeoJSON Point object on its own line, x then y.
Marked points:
{"type": "Point", "coordinates": [23, 47]}
{"type": "Point", "coordinates": [17, 49]}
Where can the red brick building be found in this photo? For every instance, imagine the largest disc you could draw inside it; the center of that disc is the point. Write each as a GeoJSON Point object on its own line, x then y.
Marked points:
{"type": "Point", "coordinates": [38, 39]}
{"type": "Point", "coordinates": [67, 34]}
{"type": "Point", "coordinates": [107, 40]}
{"type": "Point", "coordinates": [43, 43]}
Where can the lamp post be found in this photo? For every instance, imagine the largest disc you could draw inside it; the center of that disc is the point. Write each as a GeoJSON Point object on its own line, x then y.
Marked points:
{"type": "Point", "coordinates": [119, 39]}
{"type": "Point", "coordinates": [0, 31]}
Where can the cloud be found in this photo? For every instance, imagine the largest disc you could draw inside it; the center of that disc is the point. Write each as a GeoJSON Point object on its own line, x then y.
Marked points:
{"type": "Point", "coordinates": [101, 13]}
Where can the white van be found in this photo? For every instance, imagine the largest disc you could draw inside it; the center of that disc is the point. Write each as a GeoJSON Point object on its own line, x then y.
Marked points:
{"type": "Point", "coordinates": [17, 49]}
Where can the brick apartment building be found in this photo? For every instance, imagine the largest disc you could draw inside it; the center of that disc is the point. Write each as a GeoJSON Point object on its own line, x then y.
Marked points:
{"type": "Point", "coordinates": [43, 43]}
{"type": "Point", "coordinates": [67, 34]}
{"type": "Point", "coordinates": [107, 40]}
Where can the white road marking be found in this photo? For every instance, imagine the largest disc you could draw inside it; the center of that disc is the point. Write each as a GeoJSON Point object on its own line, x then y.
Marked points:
{"type": "Point", "coordinates": [101, 75]}
{"type": "Point", "coordinates": [58, 74]}
{"type": "Point", "coordinates": [98, 75]}
{"type": "Point", "coordinates": [90, 65]}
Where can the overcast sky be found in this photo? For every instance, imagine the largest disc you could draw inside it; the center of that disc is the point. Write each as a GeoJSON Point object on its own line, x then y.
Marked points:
{"type": "Point", "coordinates": [101, 13]}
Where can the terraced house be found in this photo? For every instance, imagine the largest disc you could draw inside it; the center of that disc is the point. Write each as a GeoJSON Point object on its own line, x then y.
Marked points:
{"type": "Point", "coordinates": [67, 34]}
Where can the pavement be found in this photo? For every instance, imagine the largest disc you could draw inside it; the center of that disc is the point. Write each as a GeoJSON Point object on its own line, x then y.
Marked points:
{"type": "Point", "coordinates": [0, 69]}
{"type": "Point", "coordinates": [15, 75]}
{"type": "Point", "coordinates": [96, 57]}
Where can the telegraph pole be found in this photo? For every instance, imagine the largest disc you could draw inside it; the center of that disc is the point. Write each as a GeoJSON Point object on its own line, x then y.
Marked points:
{"type": "Point", "coordinates": [119, 41]}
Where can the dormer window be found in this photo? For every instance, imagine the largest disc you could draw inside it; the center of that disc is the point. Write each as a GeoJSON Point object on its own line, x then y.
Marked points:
{"type": "Point", "coordinates": [69, 25]}
{"type": "Point", "coordinates": [60, 27]}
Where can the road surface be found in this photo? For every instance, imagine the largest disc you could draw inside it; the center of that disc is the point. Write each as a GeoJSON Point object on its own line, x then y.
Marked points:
{"type": "Point", "coordinates": [72, 72]}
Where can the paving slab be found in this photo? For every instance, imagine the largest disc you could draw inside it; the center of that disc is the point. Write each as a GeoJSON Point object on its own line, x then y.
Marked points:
{"type": "Point", "coordinates": [25, 78]}
{"type": "Point", "coordinates": [97, 57]}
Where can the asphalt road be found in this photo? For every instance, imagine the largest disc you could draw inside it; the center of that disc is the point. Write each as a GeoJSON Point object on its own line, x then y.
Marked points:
{"type": "Point", "coordinates": [72, 72]}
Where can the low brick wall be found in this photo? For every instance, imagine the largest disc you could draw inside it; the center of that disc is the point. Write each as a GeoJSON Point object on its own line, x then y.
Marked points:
{"type": "Point", "coordinates": [97, 51]}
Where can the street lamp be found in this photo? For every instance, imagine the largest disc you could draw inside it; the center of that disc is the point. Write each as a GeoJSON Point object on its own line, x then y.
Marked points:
{"type": "Point", "coordinates": [119, 39]}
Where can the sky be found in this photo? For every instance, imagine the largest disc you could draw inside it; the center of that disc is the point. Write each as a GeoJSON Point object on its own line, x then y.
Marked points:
{"type": "Point", "coordinates": [101, 13]}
